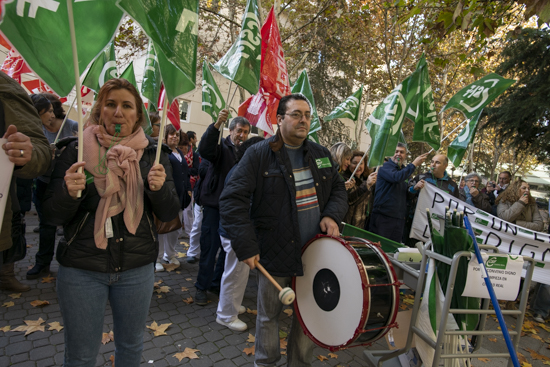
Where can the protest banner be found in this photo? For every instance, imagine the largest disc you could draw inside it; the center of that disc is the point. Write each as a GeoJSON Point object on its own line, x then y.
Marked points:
{"type": "Point", "coordinates": [490, 230]}
{"type": "Point", "coordinates": [5, 180]}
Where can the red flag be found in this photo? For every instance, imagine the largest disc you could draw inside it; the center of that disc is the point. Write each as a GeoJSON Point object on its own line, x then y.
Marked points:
{"type": "Point", "coordinates": [261, 109]}
{"type": "Point", "coordinates": [14, 65]}
{"type": "Point", "coordinates": [173, 113]}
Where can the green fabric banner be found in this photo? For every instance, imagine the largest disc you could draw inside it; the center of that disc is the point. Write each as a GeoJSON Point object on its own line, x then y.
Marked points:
{"type": "Point", "coordinates": [150, 86]}
{"type": "Point", "coordinates": [102, 69]}
{"type": "Point", "coordinates": [40, 33]}
{"type": "Point", "coordinates": [421, 109]}
{"type": "Point", "coordinates": [212, 99]}
{"type": "Point", "coordinates": [473, 98]}
{"type": "Point", "coordinates": [241, 63]}
{"type": "Point", "coordinates": [347, 109]}
{"type": "Point", "coordinates": [302, 86]}
{"type": "Point", "coordinates": [173, 25]}
{"type": "Point", "coordinates": [458, 147]}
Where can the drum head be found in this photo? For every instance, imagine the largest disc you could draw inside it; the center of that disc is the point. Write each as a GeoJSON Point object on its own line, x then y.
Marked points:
{"type": "Point", "coordinates": [330, 301]}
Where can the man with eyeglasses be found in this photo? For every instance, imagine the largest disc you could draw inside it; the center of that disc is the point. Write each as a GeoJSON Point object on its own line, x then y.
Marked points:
{"type": "Point", "coordinates": [284, 191]}
{"type": "Point", "coordinates": [471, 194]}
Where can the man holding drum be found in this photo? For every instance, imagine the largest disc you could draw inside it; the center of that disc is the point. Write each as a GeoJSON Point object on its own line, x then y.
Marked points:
{"type": "Point", "coordinates": [284, 191]}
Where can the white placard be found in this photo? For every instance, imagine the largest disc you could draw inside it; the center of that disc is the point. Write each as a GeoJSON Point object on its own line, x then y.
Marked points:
{"type": "Point", "coordinates": [504, 272]}
{"type": "Point", "coordinates": [5, 179]}
{"type": "Point", "coordinates": [489, 230]}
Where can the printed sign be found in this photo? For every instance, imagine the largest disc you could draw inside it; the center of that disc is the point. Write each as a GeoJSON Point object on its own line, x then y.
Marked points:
{"type": "Point", "coordinates": [504, 272]}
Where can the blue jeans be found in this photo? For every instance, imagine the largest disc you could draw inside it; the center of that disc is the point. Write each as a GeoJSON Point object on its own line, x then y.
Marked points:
{"type": "Point", "coordinates": [46, 244]}
{"type": "Point", "coordinates": [83, 296]}
{"type": "Point", "coordinates": [210, 272]}
{"type": "Point", "coordinates": [542, 301]}
{"type": "Point", "coordinates": [267, 347]}
{"type": "Point", "coordinates": [391, 228]}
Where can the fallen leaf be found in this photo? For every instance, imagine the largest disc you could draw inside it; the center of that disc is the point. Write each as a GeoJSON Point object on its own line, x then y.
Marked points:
{"type": "Point", "coordinates": [534, 336]}
{"type": "Point", "coordinates": [15, 295]}
{"type": "Point", "coordinates": [526, 364]}
{"type": "Point", "coordinates": [170, 267]}
{"type": "Point", "coordinates": [253, 312]}
{"type": "Point", "coordinates": [408, 301]}
{"type": "Point", "coordinates": [112, 359]}
{"type": "Point", "coordinates": [332, 355]}
{"type": "Point", "coordinates": [251, 338]}
{"type": "Point", "coordinates": [157, 284]}
{"type": "Point", "coordinates": [283, 352]}
{"type": "Point", "coordinates": [188, 300]}
{"type": "Point", "coordinates": [282, 334]}
{"type": "Point", "coordinates": [181, 255]}
{"type": "Point", "coordinates": [31, 327]}
{"type": "Point", "coordinates": [321, 358]}
{"type": "Point", "coordinates": [545, 327]}
{"type": "Point", "coordinates": [55, 326]}
{"type": "Point", "coordinates": [29, 246]}
{"type": "Point", "coordinates": [403, 307]}
{"type": "Point", "coordinates": [288, 311]}
{"type": "Point", "coordinates": [39, 303]}
{"type": "Point", "coordinates": [282, 343]}
{"type": "Point", "coordinates": [159, 295]}
{"type": "Point", "coordinates": [108, 337]}
{"type": "Point", "coordinates": [8, 304]}
{"type": "Point", "coordinates": [163, 289]}
{"type": "Point", "coordinates": [522, 358]}
{"type": "Point", "coordinates": [188, 279]}
{"type": "Point", "coordinates": [5, 328]}
{"type": "Point", "coordinates": [187, 353]}
{"type": "Point", "coordinates": [48, 279]}
{"type": "Point", "coordinates": [159, 329]}
{"type": "Point", "coordinates": [484, 360]}
{"type": "Point", "coordinates": [184, 289]}
{"type": "Point", "coordinates": [494, 340]}
{"type": "Point", "coordinates": [178, 272]}
{"type": "Point", "coordinates": [535, 355]}
{"type": "Point", "coordinates": [546, 363]}
{"type": "Point", "coordinates": [250, 350]}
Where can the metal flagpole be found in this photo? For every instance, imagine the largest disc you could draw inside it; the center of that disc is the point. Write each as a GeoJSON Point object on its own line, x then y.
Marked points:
{"type": "Point", "coordinates": [462, 123]}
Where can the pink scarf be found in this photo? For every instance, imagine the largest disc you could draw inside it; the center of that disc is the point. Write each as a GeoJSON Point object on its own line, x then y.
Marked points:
{"type": "Point", "coordinates": [121, 188]}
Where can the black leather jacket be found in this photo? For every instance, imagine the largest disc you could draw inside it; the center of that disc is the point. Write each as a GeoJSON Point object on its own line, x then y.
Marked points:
{"type": "Point", "coordinates": [124, 250]}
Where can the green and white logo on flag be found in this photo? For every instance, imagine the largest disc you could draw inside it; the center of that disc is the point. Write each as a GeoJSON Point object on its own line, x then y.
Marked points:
{"type": "Point", "coordinates": [302, 86]}
{"type": "Point", "coordinates": [473, 98]}
{"type": "Point", "coordinates": [241, 63]}
{"type": "Point", "coordinates": [173, 25]}
{"type": "Point", "coordinates": [212, 100]}
{"type": "Point", "coordinates": [347, 109]}
{"type": "Point", "coordinates": [39, 31]}
{"type": "Point", "coordinates": [459, 146]}
{"type": "Point", "coordinates": [150, 86]}
{"type": "Point", "coordinates": [421, 108]}
{"type": "Point", "coordinates": [102, 69]}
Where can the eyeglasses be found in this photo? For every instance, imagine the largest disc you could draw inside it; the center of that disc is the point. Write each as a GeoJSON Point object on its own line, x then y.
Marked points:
{"type": "Point", "coordinates": [298, 116]}
{"type": "Point", "coordinates": [474, 181]}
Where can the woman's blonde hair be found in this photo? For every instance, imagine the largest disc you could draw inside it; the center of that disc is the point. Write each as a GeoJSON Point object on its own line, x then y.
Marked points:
{"type": "Point", "coordinates": [511, 194]}
{"type": "Point", "coordinates": [339, 152]}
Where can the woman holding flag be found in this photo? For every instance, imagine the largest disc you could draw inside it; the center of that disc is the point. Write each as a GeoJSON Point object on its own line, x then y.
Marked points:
{"type": "Point", "coordinates": [111, 243]}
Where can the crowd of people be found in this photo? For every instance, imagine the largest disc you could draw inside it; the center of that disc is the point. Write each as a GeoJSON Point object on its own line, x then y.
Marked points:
{"type": "Point", "coordinates": [240, 202]}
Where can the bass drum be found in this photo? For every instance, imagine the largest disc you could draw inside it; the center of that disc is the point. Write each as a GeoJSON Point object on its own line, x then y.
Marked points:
{"type": "Point", "coordinates": [349, 293]}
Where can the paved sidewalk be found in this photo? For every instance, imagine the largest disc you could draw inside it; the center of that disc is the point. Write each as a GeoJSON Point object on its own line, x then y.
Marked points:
{"type": "Point", "coordinates": [192, 326]}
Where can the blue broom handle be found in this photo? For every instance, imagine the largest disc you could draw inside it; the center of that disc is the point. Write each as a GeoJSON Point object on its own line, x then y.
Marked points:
{"type": "Point", "coordinates": [494, 300]}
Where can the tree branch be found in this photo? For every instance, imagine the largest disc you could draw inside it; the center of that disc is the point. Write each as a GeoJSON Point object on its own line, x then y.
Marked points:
{"type": "Point", "coordinates": [308, 23]}
{"type": "Point", "coordinates": [219, 15]}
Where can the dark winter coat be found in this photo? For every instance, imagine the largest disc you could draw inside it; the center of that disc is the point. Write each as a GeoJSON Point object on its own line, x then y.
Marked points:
{"type": "Point", "coordinates": [180, 174]}
{"type": "Point", "coordinates": [358, 200]}
{"type": "Point", "coordinates": [390, 198]}
{"type": "Point", "coordinates": [269, 226]}
{"type": "Point", "coordinates": [124, 250]}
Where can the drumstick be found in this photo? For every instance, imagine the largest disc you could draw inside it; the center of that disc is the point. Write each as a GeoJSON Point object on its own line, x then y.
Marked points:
{"type": "Point", "coordinates": [286, 295]}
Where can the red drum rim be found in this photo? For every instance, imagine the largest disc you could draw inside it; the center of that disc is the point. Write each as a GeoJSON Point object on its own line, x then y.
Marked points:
{"type": "Point", "coordinates": [346, 242]}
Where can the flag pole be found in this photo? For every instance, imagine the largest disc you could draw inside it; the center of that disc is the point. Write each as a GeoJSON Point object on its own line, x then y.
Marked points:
{"type": "Point", "coordinates": [63, 123]}
{"type": "Point", "coordinates": [459, 125]}
{"type": "Point", "coordinates": [226, 106]}
{"type": "Point", "coordinates": [77, 87]}
{"type": "Point", "coordinates": [162, 125]}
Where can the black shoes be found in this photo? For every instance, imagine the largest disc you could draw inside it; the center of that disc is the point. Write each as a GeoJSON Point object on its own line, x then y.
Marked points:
{"type": "Point", "coordinates": [37, 271]}
{"type": "Point", "coordinates": [201, 297]}
{"type": "Point", "coordinates": [191, 260]}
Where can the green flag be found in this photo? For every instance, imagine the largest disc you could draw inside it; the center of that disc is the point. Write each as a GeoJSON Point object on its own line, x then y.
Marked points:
{"type": "Point", "coordinates": [459, 146]}
{"type": "Point", "coordinates": [241, 63]}
{"type": "Point", "coordinates": [421, 109]}
{"type": "Point", "coordinates": [150, 86]}
{"type": "Point", "coordinates": [102, 69]}
{"type": "Point", "coordinates": [40, 33]}
{"type": "Point", "coordinates": [212, 99]}
{"type": "Point", "coordinates": [313, 137]}
{"type": "Point", "coordinates": [347, 109]}
{"type": "Point", "coordinates": [173, 25]}
{"type": "Point", "coordinates": [130, 76]}
{"type": "Point", "coordinates": [473, 98]}
{"type": "Point", "coordinates": [302, 86]}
